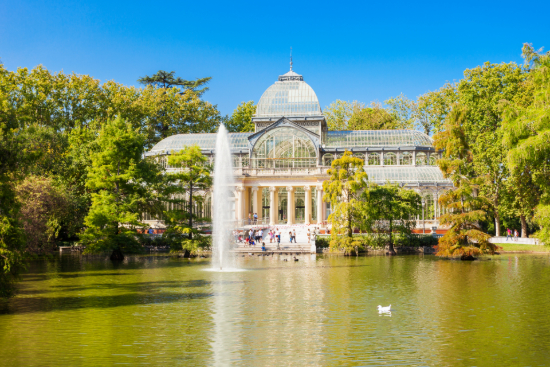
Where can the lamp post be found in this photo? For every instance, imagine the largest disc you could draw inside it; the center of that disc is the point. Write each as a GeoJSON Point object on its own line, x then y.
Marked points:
{"type": "Point", "coordinates": [423, 219]}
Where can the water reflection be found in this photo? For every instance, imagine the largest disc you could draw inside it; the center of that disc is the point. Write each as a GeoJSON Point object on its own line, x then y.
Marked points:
{"type": "Point", "coordinates": [321, 310]}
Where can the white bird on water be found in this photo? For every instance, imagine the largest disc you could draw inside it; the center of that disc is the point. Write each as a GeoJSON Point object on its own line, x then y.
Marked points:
{"type": "Point", "coordinates": [384, 309]}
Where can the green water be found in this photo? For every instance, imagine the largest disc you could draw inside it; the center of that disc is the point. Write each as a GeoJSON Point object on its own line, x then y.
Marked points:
{"type": "Point", "coordinates": [319, 311]}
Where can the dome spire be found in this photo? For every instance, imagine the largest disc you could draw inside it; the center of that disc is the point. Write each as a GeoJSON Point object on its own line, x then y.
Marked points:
{"type": "Point", "coordinates": [290, 58]}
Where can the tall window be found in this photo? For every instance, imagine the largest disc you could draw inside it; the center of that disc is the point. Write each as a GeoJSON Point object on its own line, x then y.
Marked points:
{"type": "Point", "coordinates": [374, 159]}
{"type": "Point", "coordinates": [327, 159]}
{"type": "Point", "coordinates": [390, 159]}
{"type": "Point", "coordinates": [421, 159]}
{"type": "Point", "coordinates": [433, 159]}
{"type": "Point", "coordinates": [284, 147]}
{"type": "Point", "coordinates": [405, 158]}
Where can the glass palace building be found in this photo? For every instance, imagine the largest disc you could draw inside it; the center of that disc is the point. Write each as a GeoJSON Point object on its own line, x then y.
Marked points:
{"type": "Point", "coordinates": [280, 167]}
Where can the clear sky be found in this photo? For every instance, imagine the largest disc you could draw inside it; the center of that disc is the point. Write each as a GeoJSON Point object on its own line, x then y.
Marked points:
{"type": "Point", "coordinates": [345, 50]}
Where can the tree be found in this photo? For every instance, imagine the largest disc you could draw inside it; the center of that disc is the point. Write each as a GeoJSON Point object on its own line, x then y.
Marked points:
{"type": "Point", "coordinates": [344, 191]}
{"type": "Point", "coordinates": [124, 185]}
{"type": "Point", "coordinates": [339, 112]}
{"type": "Point", "coordinates": [164, 79]}
{"type": "Point", "coordinates": [403, 110]}
{"type": "Point", "coordinates": [241, 119]}
{"type": "Point", "coordinates": [395, 209]}
{"type": "Point", "coordinates": [374, 117]}
{"type": "Point", "coordinates": [526, 132]}
{"type": "Point", "coordinates": [188, 185]}
{"type": "Point", "coordinates": [13, 156]}
{"type": "Point", "coordinates": [465, 211]}
{"type": "Point", "coordinates": [44, 209]}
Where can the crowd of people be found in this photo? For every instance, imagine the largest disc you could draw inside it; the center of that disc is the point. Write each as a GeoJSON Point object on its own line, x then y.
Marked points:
{"type": "Point", "coordinates": [255, 236]}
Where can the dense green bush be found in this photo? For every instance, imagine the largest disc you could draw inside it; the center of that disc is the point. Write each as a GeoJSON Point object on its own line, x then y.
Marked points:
{"type": "Point", "coordinates": [380, 240]}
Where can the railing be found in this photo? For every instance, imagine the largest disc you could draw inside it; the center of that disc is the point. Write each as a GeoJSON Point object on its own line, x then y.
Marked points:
{"type": "Point", "coordinates": [280, 171]}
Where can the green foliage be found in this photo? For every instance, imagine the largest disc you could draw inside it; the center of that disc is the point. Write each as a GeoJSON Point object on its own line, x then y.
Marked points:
{"type": "Point", "coordinates": [344, 191]}
{"type": "Point", "coordinates": [241, 119]}
{"type": "Point", "coordinates": [394, 208]}
{"type": "Point", "coordinates": [526, 135]}
{"type": "Point", "coordinates": [339, 112]}
{"type": "Point", "coordinates": [374, 117]}
{"type": "Point", "coordinates": [45, 207]}
{"type": "Point", "coordinates": [466, 210]}
{"type": "Point", "coordinates": [185, 190]}
{"type": "Point", "coordinates": [123, 186]}
{"type": "Point", "coordinates": [165, 79]}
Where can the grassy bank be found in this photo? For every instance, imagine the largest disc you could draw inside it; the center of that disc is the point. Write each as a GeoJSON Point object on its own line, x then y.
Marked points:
{"type": "Point", "coordinates": [509, 247]}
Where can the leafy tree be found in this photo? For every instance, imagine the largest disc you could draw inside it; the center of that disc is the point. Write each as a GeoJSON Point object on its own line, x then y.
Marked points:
{"type": "Point", "coordinates": [526, 131]}
{"type": "Point", "coordinates": [345, 192]}
{"type": "Point", "coordinates": [44, 208]}
{"type": "Point", "coordinates": [241, 119]}
{"type": "Point", "coordinates": [12, 157]}
{"type": "Point", "coordinates": [465, 237]}
{"type": "Point", "coordinates": [339, 112]}
{"type": "Point", "coordinates": [395, 209]}
{"type": "Point", "coordinates": [124, 185]}
{"type": "Point", "coordinates": [374, 118]}
{"type": "Point", "coordinates": [190, 181]}
{"type": "Point", "coordinates": [428, 112]}
{"type": "Point", "coordinates": [166, 79]}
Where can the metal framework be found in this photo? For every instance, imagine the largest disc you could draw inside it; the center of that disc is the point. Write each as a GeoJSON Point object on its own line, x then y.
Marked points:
{"type": "Point", "coordinates": [376, 138]}
{"type": "Point", "coordinates": [284, 147]}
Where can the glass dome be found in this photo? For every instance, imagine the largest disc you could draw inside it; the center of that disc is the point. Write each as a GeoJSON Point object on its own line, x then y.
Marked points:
{"type": "Point", "coordinates": [290, 96]}
{"type": "Point", "coordinates": [284, 147]}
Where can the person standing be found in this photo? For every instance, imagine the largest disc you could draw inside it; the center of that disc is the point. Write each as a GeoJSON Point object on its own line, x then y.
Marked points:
{"type": "Point", "coordinates": [278, 238]}
{"type": "Point", "coordinates": [249, 218]}
{"type": "Point", "coordinates": [261, 235]}
{"type": "Point", "coordinates": [308, 235]}
{"type": "Point", "coordinates": [294, 235]}
{"type": "Point", "coordinates": [516, 234]}
{"type": "Point", "coordinates": [508, 234]}
{"type": "Point", "coordinates": [255, 218]}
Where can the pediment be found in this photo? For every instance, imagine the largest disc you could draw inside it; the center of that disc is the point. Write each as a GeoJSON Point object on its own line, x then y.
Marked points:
{"type": "Point", "coordinates": [284, 122]}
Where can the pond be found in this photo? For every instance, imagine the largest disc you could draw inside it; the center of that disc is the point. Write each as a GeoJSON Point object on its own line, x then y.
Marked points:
{"type": "Point", "coordinates": [318, 311]}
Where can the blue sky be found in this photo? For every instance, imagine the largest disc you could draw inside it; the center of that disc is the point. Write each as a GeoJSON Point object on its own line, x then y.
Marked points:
{"type": "Point", "coordinates": [345, 50]}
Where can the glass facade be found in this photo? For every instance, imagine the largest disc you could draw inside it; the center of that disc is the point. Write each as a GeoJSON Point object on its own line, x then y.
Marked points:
{"type": "Point", "coordinates": [204, 141]}
{"type": "Point", "coordinates": [373, 138]}
{"type": "Point", "coordinates": [289, 98]}
{"type": "Point", "coordinates": [284, 147]}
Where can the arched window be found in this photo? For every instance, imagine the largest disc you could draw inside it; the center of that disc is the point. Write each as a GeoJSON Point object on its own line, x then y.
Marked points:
{"type": "Point", "coordinates": [433, 159]}
{"type": "Point", "coordinates": [327, 159]}
{"type": "Point", "coordinates": [405, 159]}
{"type": "Point", "coordinates": [421, 159]}
{"type": "Point", "coordinates": [390, 159]}
{"type": "Point", "coordinates": [360, 156]}
{"type": "Point", "coordinates": [284, 147]}
{"type": "Point", "coordinates": [374, 159]}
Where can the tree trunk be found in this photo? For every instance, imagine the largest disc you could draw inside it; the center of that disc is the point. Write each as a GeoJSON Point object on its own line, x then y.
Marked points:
{"type": "Point", "coordinates": [391, 250]}
{"type": "Point", "coordinates": [190, 211]}
{"type": "Point", "coordinates": [497, 223]}
{"type": "Point", "coordinates": [117, 255]}
{"type": "Point", "coordinates": [523, 226]}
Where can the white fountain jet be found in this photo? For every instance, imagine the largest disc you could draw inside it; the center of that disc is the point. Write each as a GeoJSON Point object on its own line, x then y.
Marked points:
{"type": "Point", "coordinates": [223, 204]}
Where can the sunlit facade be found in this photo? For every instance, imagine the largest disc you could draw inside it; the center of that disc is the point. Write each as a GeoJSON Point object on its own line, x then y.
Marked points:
{"type": "Point", "coordinates": [279, 168]}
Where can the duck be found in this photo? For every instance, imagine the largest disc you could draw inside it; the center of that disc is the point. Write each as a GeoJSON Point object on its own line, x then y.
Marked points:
{"type": "Point", "coordinates": [384, 309]}
{"type": "Point", "coordinates": [295, 259]}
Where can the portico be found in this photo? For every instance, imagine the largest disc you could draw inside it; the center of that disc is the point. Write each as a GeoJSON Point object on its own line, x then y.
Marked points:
{"type": "Point", "coordinates": [280, 203]}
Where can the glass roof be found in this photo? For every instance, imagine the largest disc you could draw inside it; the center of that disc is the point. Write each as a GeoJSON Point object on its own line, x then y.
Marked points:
{"type": "Point", "coordinates": [289, 96]}
{"type": "Point", "coordinates": [404, 174]}
{"type": "Point", "coordinates": [204, 141]}
{"type": "Point", "coordinates": [372, 138]}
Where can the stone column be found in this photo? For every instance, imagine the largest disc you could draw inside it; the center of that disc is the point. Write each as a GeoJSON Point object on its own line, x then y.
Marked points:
{"type": "Point", "coordinates": [254, 191]}
{"type": "Point", "coordinates": [239, 208]}
{"type": "Point", "coordinates": [414, 157]}
{"type": "Point", "coordinates": [307, 199]}
{"type": "Point", "coordinates": [272, 206]}
{"type": "Point", "coordinates": [382, 158]}
{"type": "Point", "coordinates": [320, 204]}
{"type": "Point", "coordinates": [435, 205]}
{"type": "Point", "coordinates": [290, 205]}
